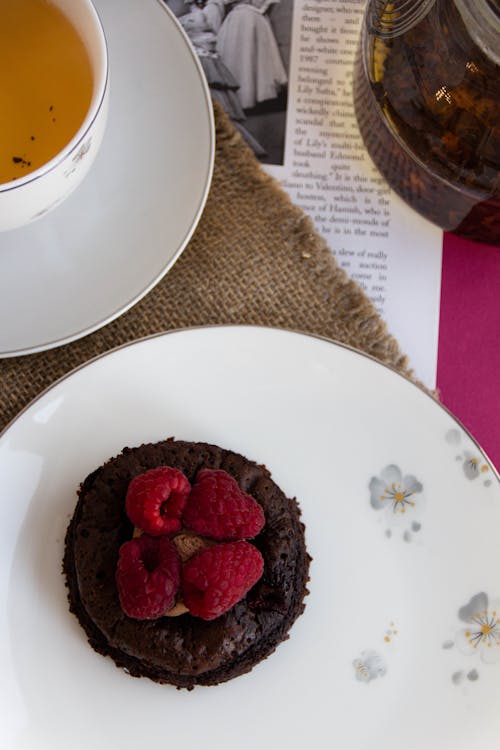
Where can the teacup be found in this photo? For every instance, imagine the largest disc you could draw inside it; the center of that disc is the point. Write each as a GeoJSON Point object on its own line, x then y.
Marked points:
{"type": "Point", "coordinates": [28, 189]}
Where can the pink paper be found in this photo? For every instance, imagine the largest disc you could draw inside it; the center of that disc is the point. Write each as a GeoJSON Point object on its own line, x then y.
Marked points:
{"type": "Point", "coordinates": [468, 372]}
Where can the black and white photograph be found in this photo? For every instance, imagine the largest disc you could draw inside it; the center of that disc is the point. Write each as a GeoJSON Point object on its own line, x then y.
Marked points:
{"type": "Point", "coordinates": [244, 49]}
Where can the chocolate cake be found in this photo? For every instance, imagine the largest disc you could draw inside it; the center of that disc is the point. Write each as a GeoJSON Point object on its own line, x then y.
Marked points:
{"type": "Point", "coordinates": [184, 651]}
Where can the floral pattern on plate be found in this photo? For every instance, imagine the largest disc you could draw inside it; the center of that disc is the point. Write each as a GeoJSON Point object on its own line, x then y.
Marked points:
{"type": "Point", "coordinates": [482, 632]}
{"type": "Point", "coordinates": [371, 664]}
{"type": "Point", "coordinates": [473, 463]}
{"type": "Point", "coordinates": [400, 497]}
{"type": "Point", "coordinates": [480, 637]}
{"type": "Point", "coordinates": [393, 491]}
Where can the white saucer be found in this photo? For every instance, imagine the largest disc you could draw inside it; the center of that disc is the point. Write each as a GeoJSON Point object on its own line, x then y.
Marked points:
{"type": "Point", "coordinates": [392, 650]}
{"type": "Point", "coordinates": [107, 245]}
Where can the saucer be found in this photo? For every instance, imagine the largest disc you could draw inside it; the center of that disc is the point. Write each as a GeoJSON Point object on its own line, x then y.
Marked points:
{"type": "Point", "coordinates": [109, 243]}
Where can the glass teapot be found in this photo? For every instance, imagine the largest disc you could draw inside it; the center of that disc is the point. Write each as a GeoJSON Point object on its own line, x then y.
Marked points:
{"type": "Point", "coordinates": [427, 99]}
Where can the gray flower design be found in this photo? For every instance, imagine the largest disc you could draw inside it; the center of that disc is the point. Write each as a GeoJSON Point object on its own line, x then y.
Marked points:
{"type": "Point", "coordinates": [453, 437]}
{"type": "Point", "coordinates": [473, 465]}
{"type": "Point", "coordinates": [482, 634]}
{"type": "Point", "coordinates": [393, 491]}
{"type": "Point", "coordinates": [369, 666]}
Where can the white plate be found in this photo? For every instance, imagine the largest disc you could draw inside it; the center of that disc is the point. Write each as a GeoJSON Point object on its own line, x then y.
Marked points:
{"type": "Point", "coordinates": [108, 244]}
{"type": "Point", "coordinates": [387, 591]}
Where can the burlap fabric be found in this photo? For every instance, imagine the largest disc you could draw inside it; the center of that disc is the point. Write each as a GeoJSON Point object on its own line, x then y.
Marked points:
{"type": "Point", "coordinates": [255, 258]}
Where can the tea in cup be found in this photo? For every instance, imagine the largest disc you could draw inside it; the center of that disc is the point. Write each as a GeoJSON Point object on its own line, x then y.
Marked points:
{"type": "Point", "coordinates": [53, 102]}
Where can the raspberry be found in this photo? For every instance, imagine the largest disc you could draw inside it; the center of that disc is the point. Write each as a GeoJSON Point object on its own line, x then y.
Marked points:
{"type": "Point", "coordinates": [155, 500]}
{"type": "Point", "coordinates": [147, 576]}
{"type": "Point", "coordinates": [218, 577]}
{"type": "Point", "coordinates": [218, 508]}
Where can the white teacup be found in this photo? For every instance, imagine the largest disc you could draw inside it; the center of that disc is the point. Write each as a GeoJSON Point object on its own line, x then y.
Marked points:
{"type": "Point", "coordinates": [25, 199]}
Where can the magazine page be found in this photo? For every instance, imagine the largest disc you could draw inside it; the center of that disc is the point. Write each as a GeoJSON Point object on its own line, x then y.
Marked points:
{"type": "Point", "coordinates": [283, 71]}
